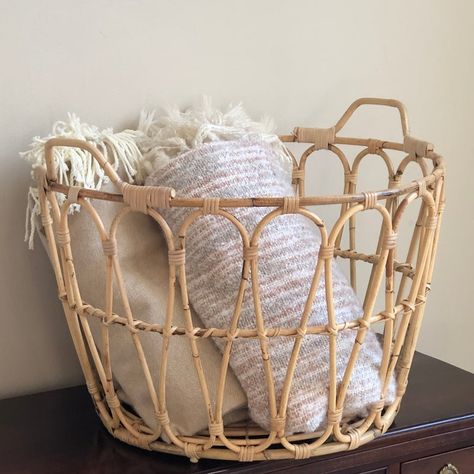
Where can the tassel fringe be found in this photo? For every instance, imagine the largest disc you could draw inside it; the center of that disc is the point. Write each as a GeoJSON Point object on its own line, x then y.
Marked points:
{"type": "Point", "coordinates": [77, 167]}
{"type": "Point", "coordinates": [174, 131]}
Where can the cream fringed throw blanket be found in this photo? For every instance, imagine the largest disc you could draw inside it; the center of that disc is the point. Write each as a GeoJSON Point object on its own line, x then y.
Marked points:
{"type": "Point", "coordinates": [250, 167]}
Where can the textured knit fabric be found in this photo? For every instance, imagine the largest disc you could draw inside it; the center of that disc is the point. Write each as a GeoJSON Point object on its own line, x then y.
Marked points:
{"type": "Point", "coordinates": [288, 251]}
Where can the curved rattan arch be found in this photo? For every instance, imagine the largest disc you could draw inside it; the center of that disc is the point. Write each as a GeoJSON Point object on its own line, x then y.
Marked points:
{"type": "Point", "coordinates": [401, 315]}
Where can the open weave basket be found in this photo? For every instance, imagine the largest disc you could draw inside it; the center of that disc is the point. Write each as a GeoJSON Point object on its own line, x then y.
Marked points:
{"type": "Point", "coordinates": [406, 283]}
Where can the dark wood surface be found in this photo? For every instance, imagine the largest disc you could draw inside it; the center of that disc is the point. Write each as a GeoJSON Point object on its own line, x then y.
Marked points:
{"type": "Point", "coordinates": [59, 432]}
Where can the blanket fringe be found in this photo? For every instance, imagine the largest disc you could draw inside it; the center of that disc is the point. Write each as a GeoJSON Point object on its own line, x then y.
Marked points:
{"type": "Point", "coordinates": [77, 167]}
{"type": "Point", "coordinates": [175, 132]}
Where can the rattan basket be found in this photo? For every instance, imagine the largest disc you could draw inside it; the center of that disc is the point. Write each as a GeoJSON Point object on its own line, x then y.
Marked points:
{"type": "Point", "coordinates": [406, 281]}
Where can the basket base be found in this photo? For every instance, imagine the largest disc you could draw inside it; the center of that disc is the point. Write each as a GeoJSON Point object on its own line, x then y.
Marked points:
{"type": "Point", "coordinates": [274, 451]}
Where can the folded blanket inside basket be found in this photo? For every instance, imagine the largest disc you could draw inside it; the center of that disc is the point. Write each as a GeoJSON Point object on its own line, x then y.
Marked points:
{"type": "Point", "coordinates": [287, 253]}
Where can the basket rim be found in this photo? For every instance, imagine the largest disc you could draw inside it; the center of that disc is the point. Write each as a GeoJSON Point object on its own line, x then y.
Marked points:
{"type": "Point", "coordinates": [381, 195]}
{"type": "Point", "coordinates": [316, 138]}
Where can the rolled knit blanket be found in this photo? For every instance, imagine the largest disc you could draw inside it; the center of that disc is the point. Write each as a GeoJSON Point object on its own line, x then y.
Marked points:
{"type": "Point", "coordinates": [288, 248]}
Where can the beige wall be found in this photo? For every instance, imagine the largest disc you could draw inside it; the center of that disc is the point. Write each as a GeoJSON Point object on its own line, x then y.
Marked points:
{"type": "Point", "coordinates": [302, 62]}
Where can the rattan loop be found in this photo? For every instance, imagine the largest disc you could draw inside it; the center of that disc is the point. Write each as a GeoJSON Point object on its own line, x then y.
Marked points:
{"type": "Point", "coordinates": [370, 200]}
{"type": "Point", "coordinates": [276, 332]}
{"type": "Point", "coordinates": [63, 237]}
{"type": "Point", "coordinates": [46, 220]}
{"type": "Point", "coordinates": [192, 333]}
{"type": "Point", "coordinates": [302, 451]}
{"type": "Point", "coordinates": [210, 205]}
{"type": "Point", "coordinates": [177, 257]}
{"type": "Point", "coordinates": [331, 330]}
{"type": "Point", "coordinates": [421, 187]}
{"type": "Point", "coordinates": [374, 145]}
{"type": "Point", "coordinates": [92, 388]}
{"type": "Point", "coordinates": [139, 198]}
{"type": "Point", "coordinates": [326, 252]}
{"type": "Point", "coordinates": [363, 323]}
{"type": "Point", "coordinates": [298, 174]}
{"type": "Point", "coordinates": [169, 331]}
{"type": "Point", "coordinates": [334, 417]}
{"type": "Point", "coordinates": [109, 320]}
{"type": "Point", "coordinates": [251, 253]}
{"type": "Point", "coordinates": [321, 137]}
{"type": "Point", "coordinates": [390, 241]}
{"type": "Point", "coordinates": [301, 332]}
{"type": "Point", "coordinates": [354, 437]}
{"type": "Point", "coordinates": [109, 247]}
{"type": "Point", "coordinates": [232, 335]}
{"type": "Point", "coordinates": [416, 148]}
{"type": "Point", "coordinates": [191, 450]}
{"type": "Point", "coordinates": [351, 178]}
{"type": "Point", "coordinates": [291, 204]}
{"type": "Point", "coordinates": [132, 326]}
{"type": "Point", "coordinates": [246, 453]}
{"type": "Point", "coordinates": [431, 222]}
{"type": "Point", "coordinates": [73, 194]}
{"type": "Point", "coordinates": [408, 305]}
{"type": "Point", "coordinates": [163, 418]}
{"type": "Point", "coordinates": [113, 401]}
{"type": "Point", "coordinates": [378, 405]}
{"type": "Point", "coordinates": [277, 423]}
{"type": "Point", "coordinates": [421, 299]}
{"type": "Point", "coordinates": [216, 429]}
{"type": "Point", "coordinates": [388, 315]}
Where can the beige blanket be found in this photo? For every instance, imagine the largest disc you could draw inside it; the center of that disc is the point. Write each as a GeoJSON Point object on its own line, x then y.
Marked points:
{"type": "Point", "coordinates": [143, 258]}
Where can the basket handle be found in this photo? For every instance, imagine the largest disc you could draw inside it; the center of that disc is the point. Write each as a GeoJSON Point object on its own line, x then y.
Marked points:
{"type": "Point", "coordinates": [375, 101]}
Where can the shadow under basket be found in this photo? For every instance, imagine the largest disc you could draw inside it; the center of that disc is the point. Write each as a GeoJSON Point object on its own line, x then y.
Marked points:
{"type": "Point", "coordinates": [405, 282]}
